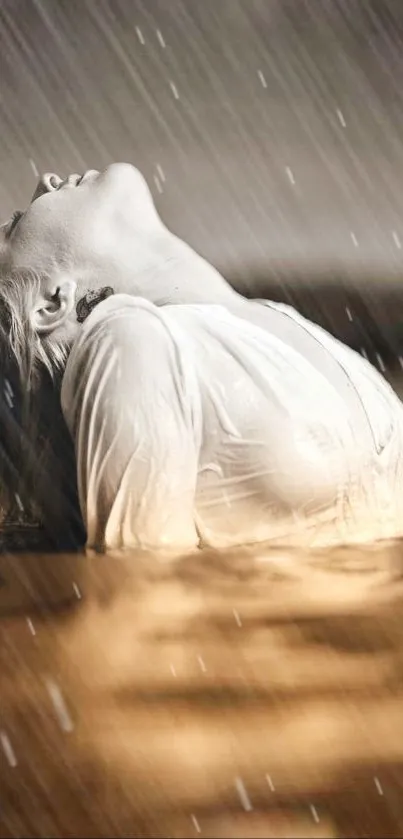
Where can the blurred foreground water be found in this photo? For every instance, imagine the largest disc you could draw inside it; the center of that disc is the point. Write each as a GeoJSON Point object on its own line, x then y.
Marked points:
{"type": "Point", "coordinates": [252, 693]}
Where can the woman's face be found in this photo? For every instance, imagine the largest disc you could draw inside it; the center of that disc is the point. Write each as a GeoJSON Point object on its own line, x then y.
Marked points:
{"type": "Point", "coordinates": [82, 224]}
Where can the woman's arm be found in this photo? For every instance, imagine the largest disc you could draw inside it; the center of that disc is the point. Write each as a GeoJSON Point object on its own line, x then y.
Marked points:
{"type": "Point", "coordinates": [124, 401]}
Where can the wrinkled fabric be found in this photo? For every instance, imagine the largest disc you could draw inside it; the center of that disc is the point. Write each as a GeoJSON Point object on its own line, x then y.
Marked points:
{"type": "Point", "coordinates": [201, 424]}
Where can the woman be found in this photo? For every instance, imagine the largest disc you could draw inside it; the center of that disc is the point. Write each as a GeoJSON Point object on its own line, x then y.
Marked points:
{"type": "Point", "coordinates": [198, 417]}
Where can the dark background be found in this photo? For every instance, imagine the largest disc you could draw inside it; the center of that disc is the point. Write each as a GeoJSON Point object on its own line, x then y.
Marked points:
{"type": "Point", "coordinates": [270, 132]}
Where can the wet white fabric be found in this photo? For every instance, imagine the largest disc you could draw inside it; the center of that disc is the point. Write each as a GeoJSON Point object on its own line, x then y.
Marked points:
{"type": "Point", "coordinates": [222, 425]}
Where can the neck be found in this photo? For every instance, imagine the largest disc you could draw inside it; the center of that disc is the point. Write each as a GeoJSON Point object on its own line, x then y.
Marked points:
{"type": "Point", "coordinates": [186, 278]}
{"type": "Point", "coordinates": [167, 272]}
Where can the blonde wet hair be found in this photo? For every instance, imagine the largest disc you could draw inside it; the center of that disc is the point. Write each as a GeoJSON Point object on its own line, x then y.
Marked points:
{"type": "Point", "coordinates": [33, 465]}
{"type": "Point", "coordinates": [20, 290]}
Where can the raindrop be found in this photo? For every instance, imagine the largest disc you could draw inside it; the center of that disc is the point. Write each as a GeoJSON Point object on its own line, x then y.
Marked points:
{"type": "Point", "coordinates": [378, 785]}
{"type": "Point", "coordinates": [62, 713]}
{"type": "Point", "coordinates": [381, 363]}
{"type": "Point", "coordinates": [243, 795]}
{"type": "Point", "coordinates": [195, 823]}
{"type": "Point", "coordinates": [396, 240]}
{"type": "Point", "coordinates": [262, 78]}
{"type": "Point", "coordinates": [161, 173]}
{"type": "Point", "coordinates": [354, 239]}
{"type": "Point", "coordinates": [8, 749]}
{"type": "Point", "coordinates": [77, 591]}
{"type": "Point", "coordinates": [34, 167]}
{"type": "Point", "coordinates": [19, 502]}
{"type": "Point", "coordinates": [161, 39]}
{"type": "Point", "coordinates": [270, 783]}
{"type": "Point", "coordinates": [314, 814]}
{"type": "Point", "coordinates": [237, 618]}
{"type": "Point", "coordinates": [203, 667]}
{"type": "Point", "coordinates": [31, 627]}
{"type": "Point", "coordinates": [174, 90]}
{"type": "Point", "coordinates": [8, 394]}
{"type": "Point", "coordinates": [341, 118]}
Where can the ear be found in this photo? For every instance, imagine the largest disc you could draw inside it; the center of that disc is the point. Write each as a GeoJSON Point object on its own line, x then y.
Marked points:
{"type": "Point", "coordinates": [53, 308]}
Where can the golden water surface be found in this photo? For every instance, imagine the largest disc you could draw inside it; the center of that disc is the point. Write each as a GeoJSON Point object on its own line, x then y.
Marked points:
{"type": "Point", "coordinates": [253, 693]}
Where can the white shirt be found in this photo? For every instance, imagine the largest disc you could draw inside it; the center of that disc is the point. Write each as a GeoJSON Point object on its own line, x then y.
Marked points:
{"type": "Point", "coordinates": [223, 425]}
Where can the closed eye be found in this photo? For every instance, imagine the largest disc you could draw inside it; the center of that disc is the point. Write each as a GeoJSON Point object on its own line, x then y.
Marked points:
{"type": "Point", "coordinates": [14, 221]}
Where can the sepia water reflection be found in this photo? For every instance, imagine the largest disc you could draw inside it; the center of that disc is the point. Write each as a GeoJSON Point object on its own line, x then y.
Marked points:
{"type": "Point", "coordinates": [256, 693]}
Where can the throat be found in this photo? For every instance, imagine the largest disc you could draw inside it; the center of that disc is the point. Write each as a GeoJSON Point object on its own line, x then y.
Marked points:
{"type": "Point", "coordinates": [187, 278]}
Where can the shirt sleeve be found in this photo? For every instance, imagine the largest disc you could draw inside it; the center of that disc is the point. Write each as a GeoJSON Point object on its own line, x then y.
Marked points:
{"type": "Point", "coordinates": [127, 405]}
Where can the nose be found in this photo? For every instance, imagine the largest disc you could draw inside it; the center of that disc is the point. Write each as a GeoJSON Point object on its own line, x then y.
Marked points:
{"type": "Point", "coordinates": [47, 183]}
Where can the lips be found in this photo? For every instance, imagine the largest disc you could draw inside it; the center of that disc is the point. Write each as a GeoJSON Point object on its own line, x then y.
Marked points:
{"type": "Point", "coordinates": [77, 180]}
{"type": "Point", "coordinates": [90, 174]}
